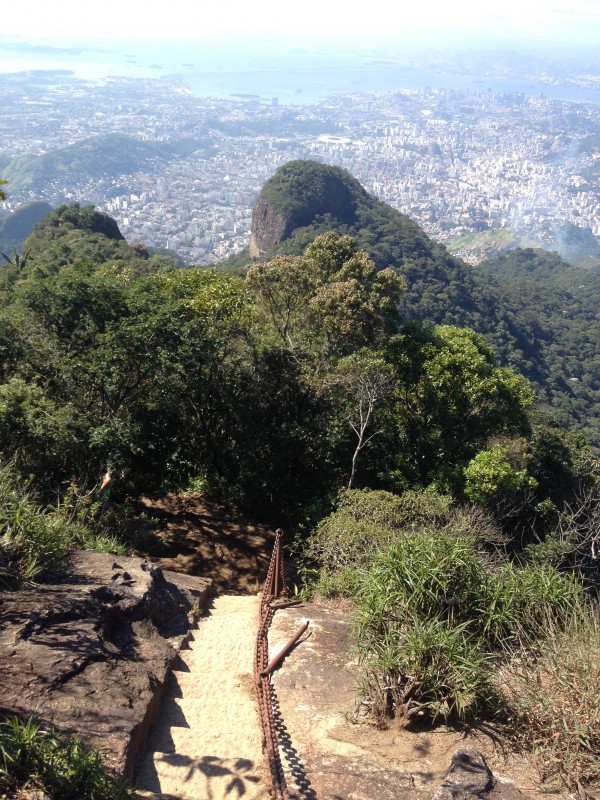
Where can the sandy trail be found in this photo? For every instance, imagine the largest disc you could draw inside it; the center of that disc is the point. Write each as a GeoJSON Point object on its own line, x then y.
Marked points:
{"type": "Point", "coordinates": [206, 743]}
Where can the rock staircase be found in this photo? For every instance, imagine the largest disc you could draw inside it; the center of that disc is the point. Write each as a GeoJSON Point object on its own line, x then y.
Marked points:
{"type": "Point", "coordinates": [206, 744]}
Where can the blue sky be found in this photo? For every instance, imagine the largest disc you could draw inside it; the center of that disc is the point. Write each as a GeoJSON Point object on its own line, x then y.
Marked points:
{"type": "Point", "coordinates": [329, 20]}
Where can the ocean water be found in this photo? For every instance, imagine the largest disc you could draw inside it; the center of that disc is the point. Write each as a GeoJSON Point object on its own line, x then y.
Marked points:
{"type": "Point", "coordinates": [294, 76]}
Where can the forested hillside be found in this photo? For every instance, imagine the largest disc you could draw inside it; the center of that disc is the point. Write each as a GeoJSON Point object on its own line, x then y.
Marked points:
{"type": "Point", "coordinates": [275, 389]}
{"type": "Point", "coordinates": [547, 332]}
{"type": "Point", "coordinates": [418, 476]}
{"type": "Point", "coordinates": [111, 155]}
{"type": "Point", "coordinates": [560, 303]}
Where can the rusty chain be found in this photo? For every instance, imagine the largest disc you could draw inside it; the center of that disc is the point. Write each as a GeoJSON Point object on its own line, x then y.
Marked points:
{"type": "Point", "coordinates": [275, 587]}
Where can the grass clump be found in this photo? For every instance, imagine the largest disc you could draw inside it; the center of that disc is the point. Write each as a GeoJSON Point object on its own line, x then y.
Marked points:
{"type": "Point", "coordinates": [32, 542]}
{"type": "Point", "coordinates": [551, 687]}
{"type": "Point", "coordinates": [422, 667]}
{"type": "Point", "coordinates": [34, 538]}
{"type": "Point", "coordinates": [31, 757]}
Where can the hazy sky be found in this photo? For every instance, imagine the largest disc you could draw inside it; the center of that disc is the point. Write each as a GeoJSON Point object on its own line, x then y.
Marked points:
{"type": "Point", "coordinates": [68, 20]}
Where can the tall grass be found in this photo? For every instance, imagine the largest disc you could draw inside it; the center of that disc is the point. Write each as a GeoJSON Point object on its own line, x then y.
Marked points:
{"type": "Point", "coordinates": [34, 538]}
{"type": "Point", "coordinates": [62, 769]}
{"type": "Point", "coordinates": [32, 542]}
{"type": "Point", "coordinates": [430, 618]}
{"type": "Point", "coordinates": [434, 614]}
{"type": "Point", "coordinates": [551, 686]}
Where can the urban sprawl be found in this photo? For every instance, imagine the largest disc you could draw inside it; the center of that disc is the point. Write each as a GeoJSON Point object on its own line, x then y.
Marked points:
{"type": "Point", "coordinates": [457, 162]}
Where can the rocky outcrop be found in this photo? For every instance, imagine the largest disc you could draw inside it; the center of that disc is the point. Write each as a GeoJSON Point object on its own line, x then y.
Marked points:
{"type": "Point", "coordinates": [297, 195]}
{"type": "Point", "coordinates": [91, 655]}
{"type": "Point", "coordinates": [470, 778]}
{"type": "Point", "coordinates": [269, 227]}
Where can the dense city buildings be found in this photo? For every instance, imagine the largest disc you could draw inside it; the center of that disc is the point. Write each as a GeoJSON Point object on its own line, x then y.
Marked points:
{"type": "Point", "coordinates": [458, 162]}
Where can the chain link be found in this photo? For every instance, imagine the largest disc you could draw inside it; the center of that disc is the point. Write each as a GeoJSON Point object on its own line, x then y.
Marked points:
{"type": "Point", "coordinates": [270, 744]}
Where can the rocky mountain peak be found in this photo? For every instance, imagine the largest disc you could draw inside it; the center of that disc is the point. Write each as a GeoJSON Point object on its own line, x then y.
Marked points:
{"type": "Point", "coordinates": [297, 194]}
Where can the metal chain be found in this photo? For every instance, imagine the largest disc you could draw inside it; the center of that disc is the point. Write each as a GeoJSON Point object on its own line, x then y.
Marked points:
{"type": "Point", "coordinates": [270, 745]}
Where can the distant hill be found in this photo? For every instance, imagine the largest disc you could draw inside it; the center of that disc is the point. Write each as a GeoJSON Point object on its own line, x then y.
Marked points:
{"type": "Point", "coordinates": [74, 236]}
{"type": "Point", "coordinates": [543, 328]}
{"type": "Point", "coordinates": [535, 264]}
{"type": "Point", "coordinates": [19, 224]}
{"type": "Point", "coordinates": [573, 243]}
{"type": "Point", "coordinates": [112, 155]}
{"type": "Point", "coordinates": [298, 194]}
{"type": "Point", "coordinates": [292, 210]}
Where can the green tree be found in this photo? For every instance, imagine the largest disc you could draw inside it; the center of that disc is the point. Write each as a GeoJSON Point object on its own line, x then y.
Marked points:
{"type": "Point", "coordinates": [328, 302]}
{"type": "Point", "coordinates": [492, 479]}
{"type": "Point", "coordinates": [451, 398]}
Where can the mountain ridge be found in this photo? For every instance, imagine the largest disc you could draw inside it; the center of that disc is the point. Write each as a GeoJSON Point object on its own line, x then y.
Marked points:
{"type": "Point", "coordinates": [538, 328]}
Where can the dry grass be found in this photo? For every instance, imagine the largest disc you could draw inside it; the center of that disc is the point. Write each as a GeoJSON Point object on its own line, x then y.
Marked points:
{"type": "Point", "coordinates": [552, 689]}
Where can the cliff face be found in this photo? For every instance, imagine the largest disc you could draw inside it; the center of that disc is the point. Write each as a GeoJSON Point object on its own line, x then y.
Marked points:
{"type": "Point", "coordinates": [296, 195]}
{"type": "Point", "coordinates": [269, 227]}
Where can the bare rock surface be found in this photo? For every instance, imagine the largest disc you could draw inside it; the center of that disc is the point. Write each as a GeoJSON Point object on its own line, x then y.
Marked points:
{"type": "Point", "coordinates": [329, 755]}
{"type": "Point", "coordinates": [91, 654]}
{"type": "Point", "coordinates": [269, 227]}
{"type": "Point", "coordinates": [315, 690]}
{"type": "Point", "coordinates": [469, 777]}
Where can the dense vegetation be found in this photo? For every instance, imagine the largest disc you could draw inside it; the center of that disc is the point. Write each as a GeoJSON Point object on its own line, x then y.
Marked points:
{"type": "Point", "coordinates": [547, 331]}
{"type": "Point", "coordinates": [113, 357]}
{"type": "Point", "coordinates": [449, 627]}
{"type": "Point", "coordinates": [556, 304]}
{"type": "Point", "coordinates": [340, 397]}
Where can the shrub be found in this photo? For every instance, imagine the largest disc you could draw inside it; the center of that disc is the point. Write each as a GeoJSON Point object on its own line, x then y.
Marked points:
{"type": "Point", "coordinates": [424, 666]}
{"type": "Point", "coordinates": [432, 611]}
{"type": "Point", "coordinates": [62, 768]}
{"type": "Point", "coordinates": [346, 539]}
{"type": "Point", "coordinates": [419, 585]}
{"type": "Point", "coordinates": [365, 519]}
{"type": "Point", "coordinates": [491, 477]}
{"type": "Point", "coordinates": [432, 576]}
{"type": "Point", "coordinates": [417, 617]}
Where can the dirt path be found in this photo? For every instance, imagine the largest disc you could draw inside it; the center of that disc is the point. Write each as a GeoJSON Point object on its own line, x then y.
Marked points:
{"type": "Point", "coordinates": [192, 534]}
{"type": "Point", "coordinates": [206, 745]}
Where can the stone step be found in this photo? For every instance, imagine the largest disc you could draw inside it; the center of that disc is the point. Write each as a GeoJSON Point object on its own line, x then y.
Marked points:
{"type": "Point", "coordinates": [207, 740]}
